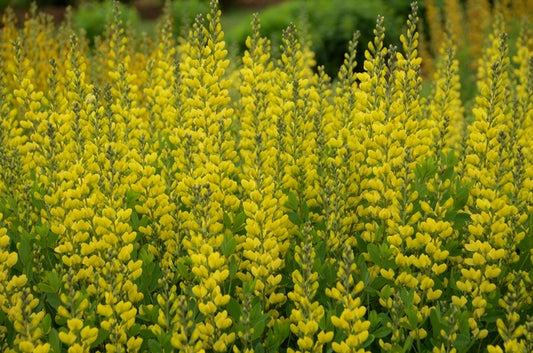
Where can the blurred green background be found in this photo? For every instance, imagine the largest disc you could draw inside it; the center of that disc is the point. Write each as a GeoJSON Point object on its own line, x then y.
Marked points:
{"type": "Point", "coordinates": [329, 24]}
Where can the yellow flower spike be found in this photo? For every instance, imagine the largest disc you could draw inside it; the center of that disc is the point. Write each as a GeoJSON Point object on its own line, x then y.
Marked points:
{"type": "Point", "coordinates": [186, 91]}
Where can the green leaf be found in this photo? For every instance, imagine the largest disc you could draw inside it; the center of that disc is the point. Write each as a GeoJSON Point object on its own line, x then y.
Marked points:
{"type": "Point", "coordinates": [276, 336]}
{"type": "Point", "coordinates": [46, 323]}
{"type": "Point", "coordinates": [259, 348]}
{"type": "Point", "coordinates": [25, 250]}
{"type": "Point", "coordinates": [43, 230]}
{"type": "Point", "coordinates": [461, 197]}
{"type": "Point", "coordinates": [380, 283]}
{"type": "Point", "coordinates": [363, 268]}
{"type": "Point", "coordinates": [167, 345]}
{"type": "Point", "coordinates": [381, 332]}
{"type": "Point", "coordinates": [45, 288]}
{"type": "Point", "coordinates": [146, 334]}
{"type": "Point", "coordinates": [493, 316]}
{"type": "Point", "coordinates": [305, 211]}
{"type": "Point", "coordinates": [408, 344]}
{"type": "Point", "coordinates": [368, 341]}
{"type": "Point", "coordinates": [239, 223]}
{"type": "Point", "coordinates": [524, 251]}
{"type": "Point", "coordinates": [412, 318]}
{"type": "Point", "coordinates": [373, 251]}
{"type": "Point", "coordinates": [183, 269]}
{"type": "Point", "coordinates": [448, 173]}
{"type": "Point", "coordinates": [102, 336]}
{"type": "Point", "coordinates": [134, 330]}
{"type": "Point", "coordinates": [155, 347]}
{"type": "Point", "coordinates": [425, 170]}
{"type": "Point", "coordinates": [50, 240]}
{"type": "Point", "coordinates": [260, 325]}
{"type": "Point", "coordinates": [373, 318]}
{"type": "Point", "coordinates": [462, 319]}
{"type": "Point", "coordinates": [462, 341]}
{"type": "Point", "coordinates": [145, 255]}
{"type": "Point", "coordinates": [53, 280]}
{"type": "Point", "coordinates": [55, 343]}
{"type": "Point", "coordinates": [407, 297]}
{"type": "Point", "coordinates": [257, 308]}
{"type": "Point", "coordinates": [229, 244]}
{"type": "Point", "coordinates": [248, 288]}
{"type": "Point", "coordinates": [362, 245]}
{"type": "Point", "coordinates": [154, 277]}
{"type": "Point", "coordinates": [295, 218]}
{"type": "Point", "coordinates": [134, 218]}
{"type": "Point", "coordinates": [226, 220]}
{"type": "Point", "coordinates": [461, 218]}
{"type": "Point", "coordinates": [131, 198]}
{"type": "Point", "coordinates": [435, 319]}
{"type": "Point", "coordinates": [149, 315]}
{"type": "Point", "coordinates": [234, 309]}
{"type": "Point", "coordinates": [232, 267]}
{"type": "Point", "coordinates": [292, 202]}
{"type": "Point", "coordinates": [53, 300]}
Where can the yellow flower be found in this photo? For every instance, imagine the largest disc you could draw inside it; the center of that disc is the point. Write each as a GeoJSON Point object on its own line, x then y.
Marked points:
{"type": "Point", "coordinates": [42, 348]}
{"type": "Point", "coordinates": [67, 338]}
{"type": "Point", "coordinates": [88, 334]}
{"type": "Point", "coordinates": [492, 271]}
{"type": "Point", "coordinates": [325, 337]}
{"type": "Point", "coordinates": [419, 333]}
{"type": "Point", "coordinates": [104, 310]}
{"type": "Point", "coordinates": [434, 295]}
{"type": "Point", "coordinates": [76, 348]}
{"type": "Point", "coordinates": [222, 321]}
{"type": "Point", "coordinates": [494, 349]}
{"type": "Point", "coordinates": [305, 343]}
{"type": "Point", "coordinates": [340, 347]}
{"type": "Point", "coordinates": [74, 324]}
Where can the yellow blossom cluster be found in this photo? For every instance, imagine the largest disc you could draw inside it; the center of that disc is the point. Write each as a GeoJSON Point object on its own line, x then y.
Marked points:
{"type": "Point", "coordinates": [157, 196]}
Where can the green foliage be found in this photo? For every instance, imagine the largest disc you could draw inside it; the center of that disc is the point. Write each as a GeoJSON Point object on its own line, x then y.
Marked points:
{"type": "Point", "coordinates": [329, 24]}
{"type": "Point", "coordinates": [184, 13]}
{"type": "Point", "coordinates": [93, 17]}
{"type": "Point", "coordinates": [14, 3]}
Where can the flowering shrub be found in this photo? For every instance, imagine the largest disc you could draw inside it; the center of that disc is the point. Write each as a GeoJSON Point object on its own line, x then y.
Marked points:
{"type": "Point", "coordinates": [156, 196]}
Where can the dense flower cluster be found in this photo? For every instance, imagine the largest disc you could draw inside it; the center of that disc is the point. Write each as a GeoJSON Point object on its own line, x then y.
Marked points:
{"type": "Point", "coordinates": [158, 195]}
